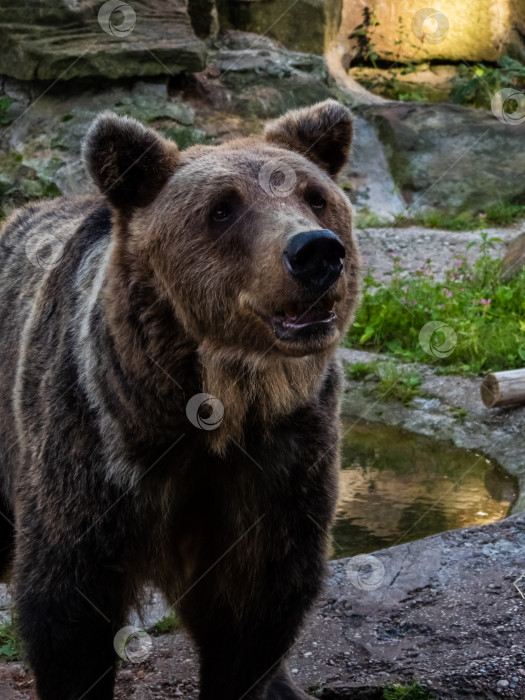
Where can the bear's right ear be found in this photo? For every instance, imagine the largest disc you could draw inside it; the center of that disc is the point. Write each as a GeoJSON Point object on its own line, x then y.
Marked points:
{"type": "Point", "coordinates": [128, 162]}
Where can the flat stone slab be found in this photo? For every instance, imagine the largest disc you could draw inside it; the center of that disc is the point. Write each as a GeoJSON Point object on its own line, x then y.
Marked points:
{"type": "Point", "coordinates": [65, 40]}
{"type": "Point", "coordinates": [446, 610]}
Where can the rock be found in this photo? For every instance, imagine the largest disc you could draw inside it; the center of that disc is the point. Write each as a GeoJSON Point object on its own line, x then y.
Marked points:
{"type": "Point", "coordinates": [149, 101]}
{"type": "Point", "coordinates": [514, 260]}
{"type": "Point", "coordinates": [248, 79]}
{"type": "Point", "coordinates": [40, 152]}
{"type": "Point", "coordinates": [7, 692]}
{"type": "Point", "coordinates": [427, 587]}
{"type": "Point", "coordinates": [303, 25]}
{"type": "Point", "coordinates": [367, 178]}
{"type": "Point", "coordinates": [263, 79]}
{"type": "Point", "coordinates": [450, 157]}
{"type": "Point", "coordinates": [477, 31]}
{"type": "Point", "coordinates": [65, 40]}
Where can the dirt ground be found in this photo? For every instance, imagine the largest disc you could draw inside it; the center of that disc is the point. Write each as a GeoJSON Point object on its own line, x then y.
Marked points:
{"type": "Point", "coordinates": [448, 610]}
{"type": "Point", "coordinates": [414, 245]}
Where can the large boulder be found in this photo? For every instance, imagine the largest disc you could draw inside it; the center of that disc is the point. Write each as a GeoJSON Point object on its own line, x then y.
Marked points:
{"type": "Point", "coordinates": [302, 25]}
{"type": "Point", "coordinates": [407, 30]}
{"type": "Point", "coordinates": [254, 77]}
{"type": "Point", "coordinates": [450, 157]}
{"type": "Point", "coordinates": [64, 39]}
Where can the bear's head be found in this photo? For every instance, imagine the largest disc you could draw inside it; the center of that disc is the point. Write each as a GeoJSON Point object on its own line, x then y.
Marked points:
{"type": "Point", "coordinates": [251, 241]}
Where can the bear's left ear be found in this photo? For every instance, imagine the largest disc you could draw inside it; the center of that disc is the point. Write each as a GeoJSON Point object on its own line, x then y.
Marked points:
{"type": "Point", "coordinates": [129, 163]}
{"type": "Point", "coordinates": [322, 133]}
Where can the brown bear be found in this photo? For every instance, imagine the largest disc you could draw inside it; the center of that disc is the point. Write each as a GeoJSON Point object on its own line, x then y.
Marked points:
{"type": "Point", "coordinates": [168, 413]}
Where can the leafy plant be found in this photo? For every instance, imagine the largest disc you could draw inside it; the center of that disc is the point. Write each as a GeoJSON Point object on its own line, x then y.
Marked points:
{"type": "Point", "coordinates": [167, 624]}
{"type": "Point", "coordinates": [359, 370]}
{"type": "Point", "coordinates": [388, 83]}
{"type": "Point", "coordinates": [5, 103]}
{"type": "Point", "coordinates": [9, 642]}
{"type": "Point", "coordinates": [413, 691]}
{"type": "Point", "coordinates": [402, 385]}
{"type": "Point", "coordinates": [477, 84]}
{"type": "Point", "coordinates": [504, 213]}
{"type": "Point", "coordinates": [486, 315]}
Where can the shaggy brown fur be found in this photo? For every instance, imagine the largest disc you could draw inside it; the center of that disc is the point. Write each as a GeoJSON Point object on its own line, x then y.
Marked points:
{"type": "Point", "coordinates": [170, 283]}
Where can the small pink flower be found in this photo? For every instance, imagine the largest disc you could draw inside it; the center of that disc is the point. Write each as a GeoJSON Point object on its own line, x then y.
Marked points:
{"type": "Point", "coordinates": [403, 300]}
{"type": "Point", "coordinates": [482, 215]}
{"type": "Point", "coordinates": [442, 306]}
{"type": "Point", "coordinates": [449, 293]}
{"type": "Point", "coordinates": [426, 308]}
{"type": "Point", "coordinates": [459, 262]}
{"type": "Point", "coordinates": [486, 302]}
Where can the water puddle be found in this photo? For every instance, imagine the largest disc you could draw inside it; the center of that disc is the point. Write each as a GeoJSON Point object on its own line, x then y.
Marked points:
{"type": "Point", "coordinates": [396, 486]}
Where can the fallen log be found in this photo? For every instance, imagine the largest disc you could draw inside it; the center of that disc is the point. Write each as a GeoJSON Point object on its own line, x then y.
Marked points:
{"type": "Point", "coordinates": [503, 388]}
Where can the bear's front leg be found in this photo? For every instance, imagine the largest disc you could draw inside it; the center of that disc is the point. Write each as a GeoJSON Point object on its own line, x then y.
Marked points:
{"type": "Point", "coordinates": [68, 609]}
{"type": "Point", "coordinates": [245, 613]}
{"type": "Point", "coordinates": [283, 688]}
{"type": "Point", "coordinates": [242, 651]}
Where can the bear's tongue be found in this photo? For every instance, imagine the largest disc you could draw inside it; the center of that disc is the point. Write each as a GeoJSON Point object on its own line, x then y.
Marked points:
{"type": "Point", "coordinates": [303, 315]}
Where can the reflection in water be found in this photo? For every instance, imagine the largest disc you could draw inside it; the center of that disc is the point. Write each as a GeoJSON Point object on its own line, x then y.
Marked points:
{"type": "Point", "coordinates": [396, 486]}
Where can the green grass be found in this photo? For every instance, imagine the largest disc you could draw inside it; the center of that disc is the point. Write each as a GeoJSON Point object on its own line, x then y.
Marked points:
{"type": "Point", "coordinates": [486, 316]}
{"type": "Point", "coordinates": [360, 370]}
{"type": "Point", "coordinates": [10, 646]}
{"type": "Point", "coordinates": [390, 382]}
{"type": "Point", "coordinates": [501, 214]}
{"type": "Point", "coordinates": [504, 213]}
{"type": "Point", "coordinates": [413, 691]}
{"type": "Point", "coordinates": [169, 623]}
{"type": "Point", "coordinates": [401, 385]}
{"type": "Point", "coordinates": [5, 103]}
{"type": "Point", "coordinates": [450, 222]}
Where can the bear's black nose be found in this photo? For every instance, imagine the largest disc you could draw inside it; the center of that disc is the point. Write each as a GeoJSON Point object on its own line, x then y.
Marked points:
{"type": "Point", "coordinates": [315, 259]}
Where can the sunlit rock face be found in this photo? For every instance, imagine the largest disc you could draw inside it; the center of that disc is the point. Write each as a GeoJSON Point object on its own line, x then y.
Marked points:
{"type": "Point", "coordinates": [408, 30]}
{"type": "Point", "coordinates": [67, 39]}
{"type": "Point", "coordinates": [401, 30]}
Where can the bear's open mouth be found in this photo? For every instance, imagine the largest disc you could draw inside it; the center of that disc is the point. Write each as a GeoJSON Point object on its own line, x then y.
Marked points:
{"type": "Point", "coordinates": [299, 319]}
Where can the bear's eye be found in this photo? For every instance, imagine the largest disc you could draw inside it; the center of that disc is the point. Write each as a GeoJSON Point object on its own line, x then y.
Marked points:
{"type": "Point", "coordinates": [316, 200]}
{"type": "Point", "coordinates": [221, 212]}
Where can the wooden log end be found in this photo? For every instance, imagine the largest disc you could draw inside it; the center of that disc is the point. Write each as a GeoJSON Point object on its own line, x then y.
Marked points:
{"type": "Point", "coordinates": [490, 391]}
